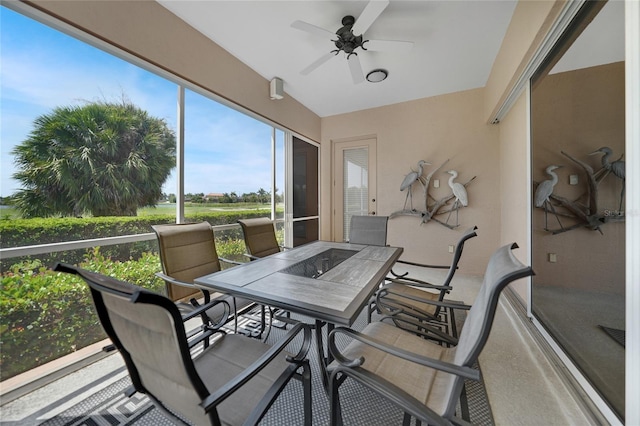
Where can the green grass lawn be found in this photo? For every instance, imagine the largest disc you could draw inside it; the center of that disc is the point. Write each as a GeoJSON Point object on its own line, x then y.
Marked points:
{"type": "Point", "coordinates": [8, 212]}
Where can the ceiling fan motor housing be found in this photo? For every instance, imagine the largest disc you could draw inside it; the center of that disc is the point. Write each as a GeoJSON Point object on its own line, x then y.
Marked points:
{"type": "Point", "coordinates": [348, 41]}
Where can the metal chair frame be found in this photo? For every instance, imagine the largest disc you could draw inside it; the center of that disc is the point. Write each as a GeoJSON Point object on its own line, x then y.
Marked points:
{"type": "Point", "coordinates": [121, 294]}
{"type": "Point", "coordinates": [502, 269]}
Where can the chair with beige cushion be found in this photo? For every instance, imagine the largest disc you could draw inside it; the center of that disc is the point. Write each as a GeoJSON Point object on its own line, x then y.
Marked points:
{"type": "Point", "coordinates": [188, 251]}
{"type": "Point", "coordinates": [423, 378]}
{"type": "Point", "coordinates": [260, 241]}
{"type": "Point", "coordinates": [420, 306]}
{"type": "Point", "coordinates": [233, 381]}
{"type": "Point", "coordinates": [259, 237]}
{"type": "Point", "coordinates": [403, 296]}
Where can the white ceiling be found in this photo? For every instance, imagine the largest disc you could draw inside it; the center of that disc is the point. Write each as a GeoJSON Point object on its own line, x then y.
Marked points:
{"type": "Point", "coordinates": [455, 44]}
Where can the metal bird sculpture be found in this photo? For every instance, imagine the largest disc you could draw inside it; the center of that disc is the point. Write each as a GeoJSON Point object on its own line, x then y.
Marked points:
{"type": "Point", "coordinates": [617, 167]}
{"type": "Point", "coordinates": [409, 180]}
{"type": "Point", "coordinates": [544, 191]}
{"type": "Point", "coordinates": [460, 192]}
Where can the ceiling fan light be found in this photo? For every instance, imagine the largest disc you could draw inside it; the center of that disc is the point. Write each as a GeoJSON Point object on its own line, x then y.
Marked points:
{"type": "Point", "coordinates": [377, 75]}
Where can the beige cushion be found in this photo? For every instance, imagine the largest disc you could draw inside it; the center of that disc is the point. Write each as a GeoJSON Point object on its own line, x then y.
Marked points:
{"type": "Point", "coordinates": [231, 356]}
{"type": "Point", "coordinates": [429, 386]}
{"type": "Point", "coordinates": [407, 290]}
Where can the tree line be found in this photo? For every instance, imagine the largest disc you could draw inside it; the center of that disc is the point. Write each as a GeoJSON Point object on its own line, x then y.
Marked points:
{"type": "Point", "coordinates": [260, 196]}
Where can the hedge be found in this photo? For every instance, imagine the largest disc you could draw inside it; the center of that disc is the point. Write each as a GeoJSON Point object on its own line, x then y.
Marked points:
{"type": "Point", "coordinates": [45, 315]}
{"type": "Point", "coordinates": [27, 232]}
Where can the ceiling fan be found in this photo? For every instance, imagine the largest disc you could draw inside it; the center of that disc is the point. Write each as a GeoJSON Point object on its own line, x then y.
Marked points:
{"type": "Point", "coordinates": [350, 40]}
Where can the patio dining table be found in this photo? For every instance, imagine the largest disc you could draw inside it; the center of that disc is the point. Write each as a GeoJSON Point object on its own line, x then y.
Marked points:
{"type": "Point", "coordinates": [330, 282]}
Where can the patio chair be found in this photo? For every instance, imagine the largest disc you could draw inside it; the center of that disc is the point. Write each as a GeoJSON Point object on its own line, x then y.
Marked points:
{"type": "Point", "coordinates": [233, 381]}
{"type": "Point", "coordinates": [369, 230]}
{"type": "Point", "coordinates": [188, 251]}
{"type": "Point", "coordinates": [372, 230]}
{"type": "Point", "coordinates": [423, 378]}
{"type": "Point", "coordinates": [259, 237]}
{"type": "Point", "coordinates": [260, 241]}
{"type": "Point", "coordinates": [419, 306]}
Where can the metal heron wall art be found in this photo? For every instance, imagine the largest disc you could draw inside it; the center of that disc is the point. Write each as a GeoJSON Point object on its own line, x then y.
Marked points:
{"type": "Point", "coordinates": [433, 207]}
{"type": "Point", "coordinates": [459, 192]}
{"type": "Point", "coordinates": [583, 211]}
{"type": "Point", "coordinates": [617, 168]}
{"type": "Point", "coordinates": [544, 191]}
{"type": "Point", "coordinates": [409, 180]}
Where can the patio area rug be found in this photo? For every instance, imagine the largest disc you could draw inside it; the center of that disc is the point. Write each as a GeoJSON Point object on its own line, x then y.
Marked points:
{"type": "Point", "coordinates": [110, 406]}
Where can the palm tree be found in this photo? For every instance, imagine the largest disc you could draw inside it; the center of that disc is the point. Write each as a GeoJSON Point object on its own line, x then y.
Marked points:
{"type": "Point", "coordinates": [263, 195]}
{"type": "Point", "coordinates": [106, 159]}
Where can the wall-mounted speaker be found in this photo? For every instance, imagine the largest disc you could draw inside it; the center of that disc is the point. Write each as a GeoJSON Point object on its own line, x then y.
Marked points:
{"type": "Point", "coordinates": [276, 90]}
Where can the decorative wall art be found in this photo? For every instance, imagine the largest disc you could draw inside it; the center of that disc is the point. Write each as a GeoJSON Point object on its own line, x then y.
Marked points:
{"type": "Point", "coordinates": [583, 211]}
{"type": "Point", "coordinates": [429, 206]}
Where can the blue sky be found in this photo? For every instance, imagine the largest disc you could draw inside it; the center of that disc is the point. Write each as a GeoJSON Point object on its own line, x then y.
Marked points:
{"type": "Point", "coordinates": [42, 68]}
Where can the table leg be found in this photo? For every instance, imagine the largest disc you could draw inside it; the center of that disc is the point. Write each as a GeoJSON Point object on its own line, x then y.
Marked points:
{"type": "Point", "coordinates": [324, 357]}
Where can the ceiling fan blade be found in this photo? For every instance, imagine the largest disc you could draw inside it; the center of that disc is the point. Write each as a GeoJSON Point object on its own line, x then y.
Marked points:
{"type": "Point", "coordinates": [389, 46]}
{"type": "Point", "coordinates": [305, 26]}
{"type": "Point", "coordinates": [315, 64]}
{"type": "Point", "coordinates": [372, 10]}
{"type": "Point", "coordinates": [356, 69]}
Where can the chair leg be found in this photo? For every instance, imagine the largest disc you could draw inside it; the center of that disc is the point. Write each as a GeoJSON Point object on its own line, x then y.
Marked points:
{"type": "Point", "coordinates": [454, 329]}
{"type": "Point", "coordinates": [235, 316]}
{"type": "Point", "coordinates": [370, 307]}
{"type": "Point", "coordinates": [335, 411]}
{"type": "Point", "coordinates": [464, 404]}
{"type": "Point", "coordinates": [308, 402]}
{"type": "Point", "coordinates": [263, 318]}
{"type": "Point", "coordinates": [271, 316]}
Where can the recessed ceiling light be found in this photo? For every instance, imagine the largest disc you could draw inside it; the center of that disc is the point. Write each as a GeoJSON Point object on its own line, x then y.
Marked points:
{"type": "Point", "coordinates": [376, 76]}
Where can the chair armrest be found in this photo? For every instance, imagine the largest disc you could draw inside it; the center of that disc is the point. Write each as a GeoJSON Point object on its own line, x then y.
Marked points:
{"type": "Point", "coordinates": [423, 265]}
{"type": "Point", "coordinates": [229, 261]}
{"type": "Point", "coordinates": [418, 283]}
{"type": "Point", "coordinates": [444, 303]}
{"type": "Point", "coordinates": [172, 280]}
{"type": "Point", "coordinates": [466, 372]}
{"type": "Point", "coordinates": [241, 379]}
{"type": "Point", "coordinates": [251, 257]}
{"type": "Point", "coordinates": [200, 309]}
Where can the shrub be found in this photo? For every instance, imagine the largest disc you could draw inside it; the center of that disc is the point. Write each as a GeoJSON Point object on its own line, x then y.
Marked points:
{"type": "Point", "coordinates": [45, 315]}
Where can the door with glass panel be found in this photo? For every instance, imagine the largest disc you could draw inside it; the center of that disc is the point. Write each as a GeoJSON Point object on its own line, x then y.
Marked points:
{"type": "Point", "coordinates": [354, 182]}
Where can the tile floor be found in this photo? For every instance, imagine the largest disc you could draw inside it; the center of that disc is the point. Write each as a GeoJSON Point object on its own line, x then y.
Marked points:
{"type": "Point", "coordinates": [523, 386]}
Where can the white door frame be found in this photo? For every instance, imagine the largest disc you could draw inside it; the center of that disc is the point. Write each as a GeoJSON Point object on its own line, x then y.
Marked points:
{"type": "Point", "coordinates": [337, 207]}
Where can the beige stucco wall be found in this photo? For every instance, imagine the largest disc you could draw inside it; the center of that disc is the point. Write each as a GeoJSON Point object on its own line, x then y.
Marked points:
{"type": "Point", "coordinates": [434, 129]}
{"type": "Point", "coordinates": [530, 22]}
{"type": "Point", "coordinates": [171, 44]}
{"type": "Point", "coordinates": [514, 184]}
{"type": "Point", "coordinates": [529, 25]}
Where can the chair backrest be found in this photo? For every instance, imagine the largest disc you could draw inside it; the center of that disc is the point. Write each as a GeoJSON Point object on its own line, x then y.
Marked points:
{"type": "Point", "coordinates": [469, 233]}
{"type": "Point", "coordinates": [369, 230]}
{"type": "Point", "coordinates": [502, 269]}
{"type": "Point", "coordinates": [187, 251]}
{"type": "Point", "coordinates": [259, 236]}
{"type": "Point", "coordinates": [147, 329]}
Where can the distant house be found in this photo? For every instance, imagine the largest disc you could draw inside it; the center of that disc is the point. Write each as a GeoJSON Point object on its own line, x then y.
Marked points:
{"type": "Point", "coordinates": [213, 197]}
